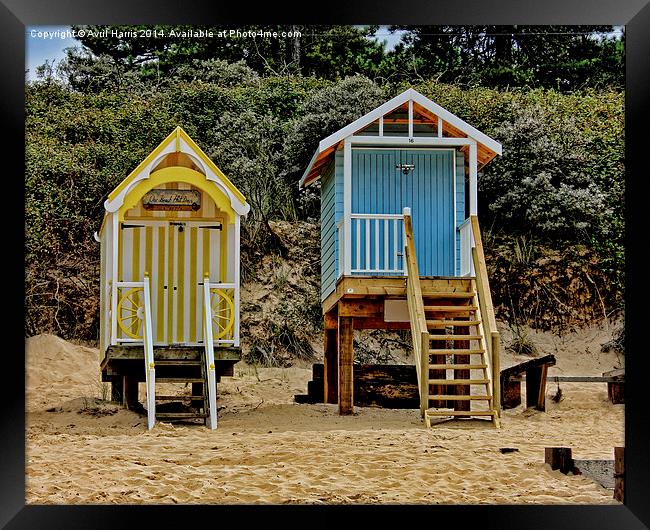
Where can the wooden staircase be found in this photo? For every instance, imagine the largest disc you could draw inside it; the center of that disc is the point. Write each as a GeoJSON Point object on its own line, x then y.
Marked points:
{"type": "Point", "coordinates": [458, 380]}
{"type": "Point", "coordinates": [183, 372]}
{"type": "Point", "coordinates": [455, 341]}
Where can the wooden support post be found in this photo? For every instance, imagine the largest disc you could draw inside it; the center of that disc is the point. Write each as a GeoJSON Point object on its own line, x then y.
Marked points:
{"type": "Point", "coordinates": [346, 358]}
{"type": "Point", "coordinates": [536, 387]}
{"type": "Point", "coordinates": [559, 458]}
{"type": "Point", "coordinates": [462, 390]}
{"type": "Point", "coordinates": [619, 474]}
{"type": "Point", "coordinates": [330, 361]}
{"type": "Point", "coordinates": [130, 393]}
{"type": "Point", "coordinates": [117, 388]}
{"type": "Point", "coordinates": [616, 392]}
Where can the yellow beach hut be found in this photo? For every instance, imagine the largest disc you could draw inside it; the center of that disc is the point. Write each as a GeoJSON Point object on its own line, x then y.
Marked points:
{"type": "Point", "coordinates": [170, 280]}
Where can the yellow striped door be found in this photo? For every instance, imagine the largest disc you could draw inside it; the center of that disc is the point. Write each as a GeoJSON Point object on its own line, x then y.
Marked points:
{"type": "Point", "coordinates": [194, 250]}
{"type": "Point", "coordinates": [143, 248]}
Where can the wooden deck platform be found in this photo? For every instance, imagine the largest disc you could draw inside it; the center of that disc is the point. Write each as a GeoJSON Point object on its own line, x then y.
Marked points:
{"type": "Point", "coordinates": [376, 302]}
{"type": "Point", "coordinates": [128, 360]}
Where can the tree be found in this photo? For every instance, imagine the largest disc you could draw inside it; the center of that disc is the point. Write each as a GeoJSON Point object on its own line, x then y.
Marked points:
{"type": "Point", "coordinates": [561, 57]}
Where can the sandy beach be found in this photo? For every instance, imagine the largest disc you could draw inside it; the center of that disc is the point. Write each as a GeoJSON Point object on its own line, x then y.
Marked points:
{"type": "Point", "coordinates": [269, 449]}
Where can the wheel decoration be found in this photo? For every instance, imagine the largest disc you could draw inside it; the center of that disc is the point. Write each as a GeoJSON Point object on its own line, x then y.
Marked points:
{"type": "Point", "coordinates": [130, 313]}
{"type": "Point", "coordinates": [223, 313]}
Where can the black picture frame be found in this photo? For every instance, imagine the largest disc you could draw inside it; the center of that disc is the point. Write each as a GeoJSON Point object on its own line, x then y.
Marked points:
{"type": "Point", "coordinates": [15, 15]}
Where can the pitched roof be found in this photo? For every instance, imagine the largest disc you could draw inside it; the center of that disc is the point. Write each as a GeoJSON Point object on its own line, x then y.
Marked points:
{"type": "Point", "coordinates": [452, 126]}
{"type": "Point", "coordinates": [177, 141]}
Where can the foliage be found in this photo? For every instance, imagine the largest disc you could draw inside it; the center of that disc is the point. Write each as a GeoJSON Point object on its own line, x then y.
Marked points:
{"type": "Point", "coordinates": [559, 183]}
{"type": "Point", "coordinates": [566, 58]}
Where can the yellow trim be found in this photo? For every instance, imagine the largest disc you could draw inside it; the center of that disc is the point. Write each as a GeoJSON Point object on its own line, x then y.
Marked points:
{"type": "Point", "coordinates": [180, 288]}
{"type": "Point", "coordinates": [194, 280]}
{"type": "Point", "coordinates": [177, 174]}
{"type": "Point", "coordinates": [148, 249]}
{"type": "Point", "coordinates": [177, 134]}
{"type": "Point", "coordinates": [162, 261]}
{"type": "Point", "coordinates": [206, 252]}
{"type": "Point", "coordinates": [135, 255]}
{"type": "Point", "coordinates": [170, 285]}
{"type": "Point", "coordinates": [223, 258]}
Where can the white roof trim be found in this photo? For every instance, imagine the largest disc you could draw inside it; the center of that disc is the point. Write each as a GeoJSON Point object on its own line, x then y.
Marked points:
{"type": "Point", "coordinates": [239, 207]}
{"type": "Point", "coordinates": [308, 169]}
{"type": "Point", "coordinates": [400, 99]}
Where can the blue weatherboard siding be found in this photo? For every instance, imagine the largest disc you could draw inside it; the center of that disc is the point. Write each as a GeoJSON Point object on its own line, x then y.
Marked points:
{"type": "Point", "coordinates": [460, 202]}
{"type": "Point", "coordinates": [378, 187]}
{"type": "Point", "coordinates": [328, 236]}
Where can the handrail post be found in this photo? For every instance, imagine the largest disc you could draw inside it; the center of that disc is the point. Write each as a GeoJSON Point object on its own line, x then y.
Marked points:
{"type": "Point", "coordinates": [492, 336]}
{"type": "Point", "coordinates": [419, 330]}
{"type": "Point", "coordinates": [208, 343]}
{"type": "Point", "coordinates": [150, 371]}
{"type": "Point", "coordinates": [424, 372]}
{"type": "Point", "coordinates": [496, 371]}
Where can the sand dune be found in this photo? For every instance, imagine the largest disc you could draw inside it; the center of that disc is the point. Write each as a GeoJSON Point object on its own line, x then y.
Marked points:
{"type": "Point", "coordinates": [268, 449]}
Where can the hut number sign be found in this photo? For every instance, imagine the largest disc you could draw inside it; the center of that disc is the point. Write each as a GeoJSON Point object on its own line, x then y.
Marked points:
{"type": "Point", "coordinates": [172, 200]}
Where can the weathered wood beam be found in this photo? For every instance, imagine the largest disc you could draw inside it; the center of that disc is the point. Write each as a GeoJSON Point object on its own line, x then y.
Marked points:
{"type": "Point", "coordinates": [346, 359]}
{"type": "Point", "coordinates": [361, 308]}
{"type": "Point", "coordinates": [559, 458]}
{"type": "Point", "coordinates": [386, 385]}
{"type": "Point", "coordinates": [619, 474]}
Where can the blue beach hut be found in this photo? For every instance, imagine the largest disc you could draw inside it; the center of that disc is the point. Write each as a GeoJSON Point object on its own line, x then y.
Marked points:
{"type": "Point", "coordinates": [400, 249]}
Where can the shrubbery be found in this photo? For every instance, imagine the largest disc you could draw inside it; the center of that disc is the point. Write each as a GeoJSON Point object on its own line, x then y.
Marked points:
{"type": "Point", "coordinates": [560, 177]}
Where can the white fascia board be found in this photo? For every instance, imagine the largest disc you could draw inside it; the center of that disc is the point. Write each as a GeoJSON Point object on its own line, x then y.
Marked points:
{"type": "Point", "coordinates": [306, 172]}
{"type": "Point", "coordinates": [403, 141]}
{"type": "Point", "coordinates": [456, 121]}
{"type": "Point", "coordinates": [364, 120]}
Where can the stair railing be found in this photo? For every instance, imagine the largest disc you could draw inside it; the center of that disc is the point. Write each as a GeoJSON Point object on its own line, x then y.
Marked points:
{"type": "Point", "coordinates": [149, 365]}
{"type": "Point", "coordinates": [208, 342]}
{"type": "Point", "coordinates": [419, 331]}
{"type": "Point", "coordinates": [488, 320]}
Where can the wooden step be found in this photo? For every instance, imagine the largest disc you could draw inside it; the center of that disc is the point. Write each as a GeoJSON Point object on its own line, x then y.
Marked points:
{"type": "Point", "coordinates": [178, 362]}
{"type": "Point", "coordinates": [456, 352]}
{"type": "Point", "coordinates": [458, 381]}
{"type": "Point", "coordinates": [458, 398]}
{"type": "Point", "coordinates": [454, 337]}
{"type": "Point", "coordinates": [450, 308]}
{"type": "Point", "coordinates": [448, 323]}
{"type": "Point", "coordinates": [457, 366]}
{"type": "Point", "coordinates": [443, 294]}
{"type": "Point", "coordinates": [180, 380]}
{"type": "Point", "coordinates": [180, 415]}
{"type": "Point", "coordinates": [172, 398]}
{"type": "Point", "coordinates": [460, 413]}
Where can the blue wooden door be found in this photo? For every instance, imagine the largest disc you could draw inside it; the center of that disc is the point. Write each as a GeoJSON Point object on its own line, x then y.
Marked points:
{"type": "Point", "coordinates": [380, 186]}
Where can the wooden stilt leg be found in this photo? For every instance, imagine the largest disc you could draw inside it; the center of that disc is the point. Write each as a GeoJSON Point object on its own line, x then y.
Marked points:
{"type": "Point", "coordinates": [619, 474]}
{"type": "Point", "coordinates": [117, 388]}
{"type": "Point", "coordinates": [130, 397]}
{"type": "Point", "coordinates": [331, 366]}
{"type": "Point", "coordinates": [346, 358]}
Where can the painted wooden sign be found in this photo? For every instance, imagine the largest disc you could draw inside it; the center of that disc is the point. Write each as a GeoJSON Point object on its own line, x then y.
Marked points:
{"type": "Point", "coordinates": [172, 200]}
